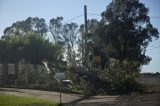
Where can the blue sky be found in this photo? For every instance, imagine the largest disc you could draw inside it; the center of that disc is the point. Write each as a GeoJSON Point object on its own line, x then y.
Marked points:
{"type": "Point", "coordinates": [17, 10]}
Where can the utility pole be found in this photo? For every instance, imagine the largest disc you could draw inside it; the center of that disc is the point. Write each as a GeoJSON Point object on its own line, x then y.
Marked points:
{"type": "Point", "coordinates": [85, 36]}
{"type": "Point", "coordinates": [85, 18]}
{"type": "Point", "coordinates": [60, 95]}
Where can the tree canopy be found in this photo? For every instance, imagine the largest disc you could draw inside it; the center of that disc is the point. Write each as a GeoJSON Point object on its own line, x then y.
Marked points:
{"type": "Point", "coordinates": [31, 24]}
{"type": "Point", "coordinates": [125, 31]}
{"type": "Point", "coordinates": [31, 47]}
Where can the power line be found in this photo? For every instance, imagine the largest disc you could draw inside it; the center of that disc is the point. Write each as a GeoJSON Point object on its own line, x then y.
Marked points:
{"type": "Point", "coordinates": [73, 18]}
{"type": "Point", "coordinates": [154, 17]}
{"type": "Point", "coordinates": [155, 46]}
{"type": "Point", "coordinates": [158, 17]}
{"type": "Point", "coordinates": [152, 49]}
{"type": "Point", "coordinates": [93, 14]}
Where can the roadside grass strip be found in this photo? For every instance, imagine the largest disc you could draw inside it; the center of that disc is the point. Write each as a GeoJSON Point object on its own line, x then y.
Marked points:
{"type": "Point", "coordinates": [11, 100]}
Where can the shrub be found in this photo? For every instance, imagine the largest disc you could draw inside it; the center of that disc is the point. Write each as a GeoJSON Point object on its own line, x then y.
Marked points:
{"type": "Point", "coordinates": [122, 76]}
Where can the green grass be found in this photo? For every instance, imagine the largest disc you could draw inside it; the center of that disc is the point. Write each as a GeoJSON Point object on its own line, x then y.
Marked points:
{"type": "Point", "coordinates": [10, 100]}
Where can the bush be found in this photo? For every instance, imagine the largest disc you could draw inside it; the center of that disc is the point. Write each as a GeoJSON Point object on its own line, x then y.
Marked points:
{"type": "Point", "coordinates": [31, 75]}
{"type": "Point", "coordinates": [122, 76]}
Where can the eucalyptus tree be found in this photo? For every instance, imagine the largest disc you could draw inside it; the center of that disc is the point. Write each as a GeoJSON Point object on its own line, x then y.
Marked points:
{"type": "Point", "coordinates": [56, 29]}
{"type": "Point", "coordinates": [70, 36]}
{"type": "Point", "coordinates": [66, 35]}
{"type": "Point", "coordinates": [125, 31]}
{"type": "Point", "coordinates": [31, 24]}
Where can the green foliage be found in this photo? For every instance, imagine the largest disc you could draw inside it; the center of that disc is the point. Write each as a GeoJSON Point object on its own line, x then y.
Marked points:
{"type": "Point", "coordinates": [87, 86]}
{"type": "Point", "coordinates": [65, 35]}
{"type": "Point", "coordinates": [75, 78]}
{"type": "Point", "coordinates": [55, 27]}
{"type": "Point", "coordinates": [89, 44]}
{"type": "Point", "coordinates": [35, 77]}
{"type": "Point", "coordinates": [31, 47]}
{"type": "Point", "coordinates": [28, 75]}
{"type": "Point", "coordinates": [123, 34]}
{"type": "Point", "coordinates": [31, 24]}
{"type": "Point", "coordinates": [122, 76]}
{"type": "Point", "coordinates": [81, 82]}
{"type": "Point", "coordinates": [125, 31]}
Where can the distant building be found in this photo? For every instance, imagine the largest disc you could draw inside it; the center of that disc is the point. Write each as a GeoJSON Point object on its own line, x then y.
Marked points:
{"type": "Point", "coordinates": [8, 72]}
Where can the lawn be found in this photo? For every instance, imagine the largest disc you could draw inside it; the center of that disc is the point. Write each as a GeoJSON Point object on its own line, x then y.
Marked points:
{"type": "Point", "coordinates": [10, 100]}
